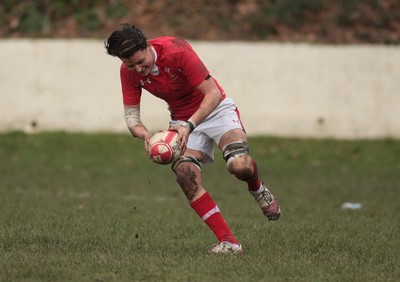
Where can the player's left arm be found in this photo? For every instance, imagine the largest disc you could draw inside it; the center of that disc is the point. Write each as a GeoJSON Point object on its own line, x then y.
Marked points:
{"type": "Point", "coordinates": [211, 100]}
{"type": "Point", "coordinates": [197, 75]}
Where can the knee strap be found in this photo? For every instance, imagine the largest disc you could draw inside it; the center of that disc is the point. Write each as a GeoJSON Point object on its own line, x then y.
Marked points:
{"type": "Point", "coordinates": [188, 159]}
{"type": "Point", "coordinates": [234, 150]}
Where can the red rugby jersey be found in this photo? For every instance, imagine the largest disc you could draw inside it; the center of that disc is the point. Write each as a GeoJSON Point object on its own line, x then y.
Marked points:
{"type": "Point", "coordinates": [180, 72]}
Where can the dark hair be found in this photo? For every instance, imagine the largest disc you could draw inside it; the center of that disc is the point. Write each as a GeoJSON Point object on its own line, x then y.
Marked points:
{"type": "Point", "coordinates": [125, 41]}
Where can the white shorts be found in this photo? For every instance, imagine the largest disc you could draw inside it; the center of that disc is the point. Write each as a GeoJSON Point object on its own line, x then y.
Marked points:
{"type": "Point", "coordinates": [224, 118]}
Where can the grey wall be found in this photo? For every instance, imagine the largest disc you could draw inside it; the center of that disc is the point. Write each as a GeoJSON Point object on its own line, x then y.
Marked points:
{"type": "Point", "coordinates": [295, 90]}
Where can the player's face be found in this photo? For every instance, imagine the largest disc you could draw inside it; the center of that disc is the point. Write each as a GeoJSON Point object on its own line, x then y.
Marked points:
{"type": "Point", "coordinates": [141, 61]}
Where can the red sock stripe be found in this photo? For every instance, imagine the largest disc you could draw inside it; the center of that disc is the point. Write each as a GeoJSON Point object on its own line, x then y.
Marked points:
{"type": "Point", "coordinates": [203, 205]}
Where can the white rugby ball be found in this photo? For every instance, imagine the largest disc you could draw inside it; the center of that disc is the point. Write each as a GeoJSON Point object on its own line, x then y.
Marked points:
{"type": "Point", "coordinates": [163, 147]}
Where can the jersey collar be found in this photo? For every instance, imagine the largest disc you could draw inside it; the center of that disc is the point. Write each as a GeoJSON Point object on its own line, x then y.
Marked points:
{"type": "Point", "coordinates": [154, 70]}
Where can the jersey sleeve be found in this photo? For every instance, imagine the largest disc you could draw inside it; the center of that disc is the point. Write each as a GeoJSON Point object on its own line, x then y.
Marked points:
{"type": "Point", "coordinates": [190, 64]}
{"type": "Point", "coordinates": [131, 91]}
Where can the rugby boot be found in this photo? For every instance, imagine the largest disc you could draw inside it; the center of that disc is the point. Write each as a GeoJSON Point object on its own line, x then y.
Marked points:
{"type": "Point", "coordinates": [268, 203]}
{"type": "Point", "coordinates": [226, 248]}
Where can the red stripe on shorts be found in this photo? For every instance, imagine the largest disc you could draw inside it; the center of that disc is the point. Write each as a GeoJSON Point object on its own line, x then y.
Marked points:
{"type": "Point", "coordinates": [241, 123]}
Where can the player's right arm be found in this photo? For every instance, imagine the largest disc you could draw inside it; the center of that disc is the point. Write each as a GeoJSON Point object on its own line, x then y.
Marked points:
{"type": "Point", "coordinates": [131, 93]}
{"type": "Point", "coordinates": [135, 125]}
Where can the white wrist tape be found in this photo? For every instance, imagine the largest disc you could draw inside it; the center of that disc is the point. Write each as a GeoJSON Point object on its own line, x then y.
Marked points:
{"type": "Point", "coordinates": [192, 122]}
{"type": "Point", "coordinates": [132, 116]}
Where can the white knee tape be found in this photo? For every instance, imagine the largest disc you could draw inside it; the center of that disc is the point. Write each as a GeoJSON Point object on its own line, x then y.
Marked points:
{"type": "Point", "coordinates": [189, 159]}
{"type": "Point", "coordinates": [234, 150]}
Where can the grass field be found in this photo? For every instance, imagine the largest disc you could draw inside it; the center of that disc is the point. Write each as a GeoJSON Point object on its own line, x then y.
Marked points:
{"type": "Point", "coordinates": [78, 207]}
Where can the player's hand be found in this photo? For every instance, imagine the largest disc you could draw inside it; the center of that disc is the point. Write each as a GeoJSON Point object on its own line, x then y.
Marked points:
{"type": "Point", "coordinates": [183, 135]}
{"type": "Point", "coordinates": [146, 140]}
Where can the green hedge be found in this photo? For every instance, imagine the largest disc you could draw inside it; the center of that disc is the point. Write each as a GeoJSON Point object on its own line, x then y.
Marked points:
{"type": "Point", "coordinates": [373, 21]}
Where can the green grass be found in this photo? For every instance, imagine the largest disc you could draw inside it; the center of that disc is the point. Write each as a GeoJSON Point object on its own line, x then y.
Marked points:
{"type": "Point", "coordinates": [78, 207]}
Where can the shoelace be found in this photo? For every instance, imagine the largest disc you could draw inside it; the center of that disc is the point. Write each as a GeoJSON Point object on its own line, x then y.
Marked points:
{"type": "Point", "coordinates": [265, 195]}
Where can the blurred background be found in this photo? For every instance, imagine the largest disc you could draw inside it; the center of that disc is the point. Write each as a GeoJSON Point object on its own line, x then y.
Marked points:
{"type": "Point", "coordinates": [323, 21]}
{"type": "Point", "coordinates": [317, 68]}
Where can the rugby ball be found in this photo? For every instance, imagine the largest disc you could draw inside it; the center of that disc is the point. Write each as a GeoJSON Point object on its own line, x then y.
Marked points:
{"type": "Point", "coordinates": [163, 147]}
